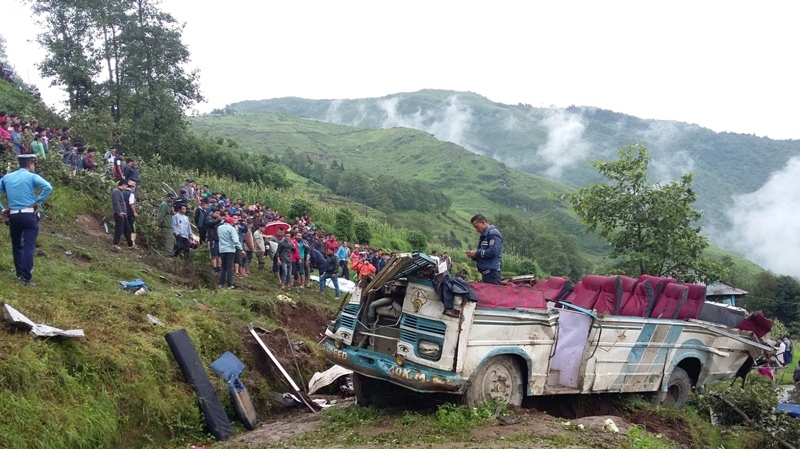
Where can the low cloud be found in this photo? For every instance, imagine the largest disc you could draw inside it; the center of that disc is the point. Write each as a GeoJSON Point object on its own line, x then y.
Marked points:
{"type": "Point", "coordinates": [449, 122]}
{"type": "Point", "coordinates": [565, 145]}
{"type": "Point", "coordinates": [332, 115]}
{"type": "Point", "coordinates": [666, 165]}
{"type": "Point", "coordinates": [766, 223]}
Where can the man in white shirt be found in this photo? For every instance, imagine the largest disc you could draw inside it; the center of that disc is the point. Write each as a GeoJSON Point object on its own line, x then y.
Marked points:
{"type": "Point", "coordinates": [183, 232]}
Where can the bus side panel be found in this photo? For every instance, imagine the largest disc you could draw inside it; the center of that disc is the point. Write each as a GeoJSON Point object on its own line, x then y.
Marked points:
{"type": "Point", "coordinates": [528, 335]}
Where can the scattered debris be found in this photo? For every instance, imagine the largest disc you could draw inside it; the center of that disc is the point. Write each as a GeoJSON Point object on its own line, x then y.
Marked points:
{"type": "Point", "coordinates": [136, 286]}
{"type": "Point", "coordinates": [228, 367]}
{"type": "Point", "coordinates": [154, 320]}
{"type": "Point", "coordinates": [195, 374]}
{"type": "Point", "coordinates": [40, 330]}
{"type": "Point", "coordinates": [509, 420]}
{"type": "Point", "coordinates": [609, 426]}
{"type": "Point", "coordinates": [322, 403]}
{"type": "Point", "coordinates": [327, 377]}
{"type": "Point", "coordinates": [284, 399]}
{"type": "Point", "coordinates": [298, 392]}
{"type": "Point", "coordinates": [68, 253]}
{"type": "Point", "coordinates": [201, 306]}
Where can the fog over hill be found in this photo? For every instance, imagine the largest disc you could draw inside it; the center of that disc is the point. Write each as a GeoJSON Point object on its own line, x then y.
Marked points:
{"type": "Point", "coordinates": [745, 184]}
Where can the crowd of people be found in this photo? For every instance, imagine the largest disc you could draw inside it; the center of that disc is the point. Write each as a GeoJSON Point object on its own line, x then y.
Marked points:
{"type": "Point", "coordinates": [45, 142]}
{"type": "Point", "coordinates": [239, 235]}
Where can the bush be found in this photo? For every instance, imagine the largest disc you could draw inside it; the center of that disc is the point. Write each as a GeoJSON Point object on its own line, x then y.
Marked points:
{"type": "Point", "coordinates": [299, 208]}
{"type": "Point", "coordinates": [417, 240]}
{"type": "Point", "coordinates": [758, 399]}
{"type": "Point", "coordinates": [362, 232]}
{"type": "Point", "coordinates": [344, 225]}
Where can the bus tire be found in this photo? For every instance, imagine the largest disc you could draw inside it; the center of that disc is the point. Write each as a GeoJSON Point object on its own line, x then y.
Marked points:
{"type": "Point", "coordinates": [679, 386]}
{"type": "Point", "coordinates": [500, 378]}
{"type": "Point", "coordinates": [369, 391]}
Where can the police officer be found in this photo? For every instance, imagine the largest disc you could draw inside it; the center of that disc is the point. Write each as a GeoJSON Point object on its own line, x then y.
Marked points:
{"type": "Point", "coordinates": [490, 250]}
{"type": "Point", "coordinates": [23, 212]}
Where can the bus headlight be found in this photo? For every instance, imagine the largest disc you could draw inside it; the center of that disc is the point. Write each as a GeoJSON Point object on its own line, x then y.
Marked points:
{"type": "Point", "coordinates": [429, 349]}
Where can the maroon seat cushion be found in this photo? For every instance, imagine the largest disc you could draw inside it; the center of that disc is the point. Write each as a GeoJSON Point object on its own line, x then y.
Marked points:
{"type": "Point", "coordinates": [756, 323]}
{"type": "Point", "coordinates": [508, 296]}
{"type": "Point", "coordinates": [586, 292]}
{"type": "Point", "coordinates": [658, 284]}
{"type": "Point", "coordinates": [610, 295]}
{"type": "Point", "coordinates": [695, 299]}
{"type": "Point", "coordinates": [671, 300]}
{"type": "Point", "coordinates": [638, 303]}
{"type": "Point", "coordinates": [555, 288]}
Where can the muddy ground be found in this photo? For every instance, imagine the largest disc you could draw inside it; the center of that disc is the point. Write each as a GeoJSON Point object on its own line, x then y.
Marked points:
{"type": "Point", "coordinates": [540, 422]}
{"type": "Point", "coordinates": [528, 427]}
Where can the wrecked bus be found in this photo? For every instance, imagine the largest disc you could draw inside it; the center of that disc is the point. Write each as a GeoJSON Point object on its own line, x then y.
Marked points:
{"type": "Point", "coordinates": [606, 334]}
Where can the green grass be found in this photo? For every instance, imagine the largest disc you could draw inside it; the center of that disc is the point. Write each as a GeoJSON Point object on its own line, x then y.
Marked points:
{"type": "Point", "coordinates": [346, 425]}
{"type": "Point", "coordinates": [119, 386]}
{"type": "Point", "coordinates": [640, 439]}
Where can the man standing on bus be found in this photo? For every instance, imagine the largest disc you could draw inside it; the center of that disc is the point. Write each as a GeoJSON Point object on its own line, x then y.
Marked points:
{"type": "Point", "coordinates": [489, 254]}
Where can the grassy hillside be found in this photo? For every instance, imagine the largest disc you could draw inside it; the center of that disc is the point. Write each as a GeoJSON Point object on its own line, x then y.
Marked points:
{"type": "Point", "coordinates": [474, 183]}
{"type": "Point", "coordinates": [557, 143]}
{"type": "Point", "coordinates": [120, 386]}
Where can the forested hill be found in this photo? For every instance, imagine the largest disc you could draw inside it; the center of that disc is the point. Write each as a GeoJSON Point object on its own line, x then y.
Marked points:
{"type": "Point", "coordinates": [402, 171]}
{"type": "Point", "coordinates": [558, 143]}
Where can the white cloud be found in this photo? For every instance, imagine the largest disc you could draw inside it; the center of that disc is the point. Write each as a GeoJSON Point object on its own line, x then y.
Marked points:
{"type": "Point", "coordinates": [332, 114]}
{"type": "Point", "coordinates": [565, 145]}
{"type": "Point", "coordinates": [449, 122]}
{"type": "Point", "coordinates": [766, 223]}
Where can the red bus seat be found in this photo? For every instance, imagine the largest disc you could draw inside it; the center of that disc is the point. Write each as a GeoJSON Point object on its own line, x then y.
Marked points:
{"type": "Point", "coordinates": [695, 299]}
{"type": "Point", "coordinates": [610, 296]}
{"type": "Point", "coordinates": [638, 303]}
{"type": "Point", "coordinates": [555, 288]}
{"type": "Point", "coordinates": [756, 323]}
{"type": "Point", "coordinates": [670, 302]}
{"type": "Point", "coordinates": [586, 292]}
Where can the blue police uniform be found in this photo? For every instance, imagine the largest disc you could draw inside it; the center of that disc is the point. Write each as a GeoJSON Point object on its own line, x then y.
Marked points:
{"type": "Point", "coordinates": [489, 255]}
{"type": "Point", "coordinates": [19, 187]}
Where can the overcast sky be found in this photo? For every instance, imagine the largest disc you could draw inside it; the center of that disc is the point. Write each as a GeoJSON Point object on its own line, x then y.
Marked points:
{"type": "Point", "coordinates": [725, 65]}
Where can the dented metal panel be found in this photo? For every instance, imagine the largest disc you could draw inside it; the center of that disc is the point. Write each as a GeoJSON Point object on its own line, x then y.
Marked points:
{"type": "Point", "coordinates": [560, 351]}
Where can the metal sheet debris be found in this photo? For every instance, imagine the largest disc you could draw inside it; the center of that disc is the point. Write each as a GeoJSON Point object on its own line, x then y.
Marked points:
{"type": "Point", "coordinates": [40, 330]}
{"type": "Point", "coordinates": [154, 320]}
{"type": "Point", "coordinates": [327, 377]}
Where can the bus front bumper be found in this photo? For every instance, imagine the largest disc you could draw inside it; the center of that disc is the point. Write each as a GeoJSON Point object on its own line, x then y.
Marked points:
{"type": "Point", "coordinates": [381, 366]}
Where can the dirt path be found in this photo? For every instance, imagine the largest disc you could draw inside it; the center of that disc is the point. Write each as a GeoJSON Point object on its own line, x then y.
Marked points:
{"type": "Point", "coordinates": [528, 428]}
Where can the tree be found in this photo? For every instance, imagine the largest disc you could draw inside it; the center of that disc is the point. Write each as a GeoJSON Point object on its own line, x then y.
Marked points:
{"type": "Point", "coordinates": [362, 232]}
{"type": "Point", "coordinates": [418, 240]}
{"type": "Point", "coordinates": [124, 57]}
{"type": "Point", "coordinates": [651, 227]}
{"type": "Point", "coordinates": [3, 56]}
{"type": "Point", "coordinates": [344, 225]}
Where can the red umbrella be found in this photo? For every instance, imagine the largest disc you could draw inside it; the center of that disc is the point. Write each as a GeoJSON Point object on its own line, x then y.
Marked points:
{"type": "Point", "coordinates": [273, 227]}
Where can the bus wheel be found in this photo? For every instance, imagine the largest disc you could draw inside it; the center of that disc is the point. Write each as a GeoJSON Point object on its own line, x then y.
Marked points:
{"type": "Point", "coordinates": [375, 392]}
{"type": "Point", "coordinates": [678, 388]}
{"type": "Point", "coordinates": [500, 379]}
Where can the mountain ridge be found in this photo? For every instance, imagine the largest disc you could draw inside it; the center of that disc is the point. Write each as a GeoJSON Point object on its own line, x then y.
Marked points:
{"type": "Point", "coordinates": [560, 143]}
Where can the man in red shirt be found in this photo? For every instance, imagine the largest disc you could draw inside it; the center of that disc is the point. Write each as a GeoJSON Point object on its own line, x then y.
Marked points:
{"type": "Point", "coordinates": [331, 243]}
